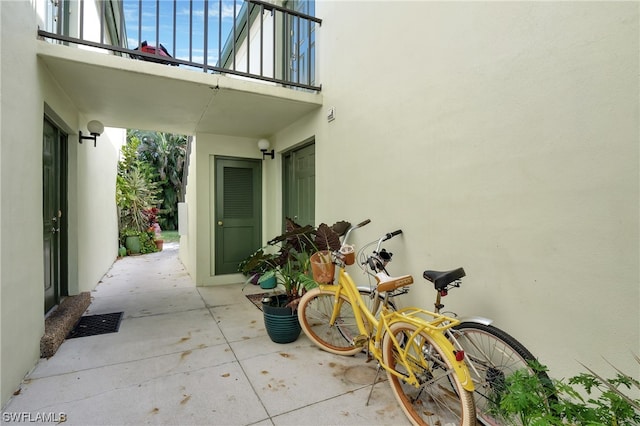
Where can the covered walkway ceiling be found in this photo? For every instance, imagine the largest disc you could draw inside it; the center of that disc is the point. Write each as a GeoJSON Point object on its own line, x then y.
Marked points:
{"type": "Point", "coordinates": [127, 93]}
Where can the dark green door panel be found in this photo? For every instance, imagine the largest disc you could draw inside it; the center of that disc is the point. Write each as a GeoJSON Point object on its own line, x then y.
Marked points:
{"type": "Point", "coordinates": [53, 218]}
{"type": "Point", "coordinates": [300, 185]}
{"type": "Point", "coordinates": [237, 212]}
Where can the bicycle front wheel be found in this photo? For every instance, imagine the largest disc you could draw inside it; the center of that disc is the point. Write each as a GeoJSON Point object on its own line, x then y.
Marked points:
{"type": "Point", "coordinates": [439, 398]}
{"type": "Point", "coordinates": [314, 313]}
{"type": "Point", "coordinates": [492, 356]}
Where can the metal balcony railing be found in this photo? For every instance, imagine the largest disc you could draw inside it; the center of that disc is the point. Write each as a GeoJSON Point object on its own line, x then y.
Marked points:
{"type": "Point", "coordinates": [246, 38]}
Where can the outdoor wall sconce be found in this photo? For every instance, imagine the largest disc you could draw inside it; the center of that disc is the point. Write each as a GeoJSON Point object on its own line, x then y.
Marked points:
{"type": "Point", "coordinates": [263, 144]}
{"type": "Point", "coordinates": [95, 128]}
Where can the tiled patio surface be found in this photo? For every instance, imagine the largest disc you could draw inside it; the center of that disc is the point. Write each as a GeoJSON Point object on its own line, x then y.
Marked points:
{"type": "Point", "coordinates": [192, 355]}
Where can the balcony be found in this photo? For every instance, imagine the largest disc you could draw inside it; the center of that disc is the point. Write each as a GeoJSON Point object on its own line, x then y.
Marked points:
{"type": "Point", "coordinates": [248, 69]}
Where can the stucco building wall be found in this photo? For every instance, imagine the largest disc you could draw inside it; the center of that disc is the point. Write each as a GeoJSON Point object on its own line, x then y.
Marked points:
{"type": "Point", "coordinates": [27, 93]}
{"type": "Point", "coordinates": [502, 137]}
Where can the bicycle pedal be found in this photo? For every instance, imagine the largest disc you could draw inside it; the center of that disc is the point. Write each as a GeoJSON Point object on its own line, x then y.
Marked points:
{"type": "Point", "coordinates": [360, 340]}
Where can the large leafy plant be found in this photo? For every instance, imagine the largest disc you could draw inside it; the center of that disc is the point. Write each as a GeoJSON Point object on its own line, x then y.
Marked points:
{"type": "Point", "coordinates": [287, 256]}
{"type": "Point", "coordinates": [136, 194]}
{"type": "Point", "coordinates": [165, 153]}
{"type": "Point", "coordinates": [585, 399]}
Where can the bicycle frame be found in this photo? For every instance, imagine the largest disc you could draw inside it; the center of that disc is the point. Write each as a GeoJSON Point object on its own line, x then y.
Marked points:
{"type": "Point", "coordinates": [374, 329]}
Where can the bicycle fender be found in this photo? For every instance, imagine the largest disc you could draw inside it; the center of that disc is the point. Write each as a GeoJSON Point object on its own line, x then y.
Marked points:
{"type": "Point", "coordinates": [478, 320]}
{"type": "Point", "coordinates": [461, 369]}
{"type": "Point", "coordinates": [441, 340]}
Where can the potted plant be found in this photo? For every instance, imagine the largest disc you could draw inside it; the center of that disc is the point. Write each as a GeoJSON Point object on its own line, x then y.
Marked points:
{"type": "Point", "coordinates": [256, 265]}
{"type": "Point", "coordinates": [131, 241]}
{"type": "Point", "coordinates": [154, 227]}
{"type": "Point", "coordinates": [136, 196]}
{"type": "Point", "coordinates": [289, 262]}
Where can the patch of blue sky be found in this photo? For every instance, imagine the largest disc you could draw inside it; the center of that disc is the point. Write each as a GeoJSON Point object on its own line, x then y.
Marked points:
{"type": "Point", "coordinates": [147, 20]}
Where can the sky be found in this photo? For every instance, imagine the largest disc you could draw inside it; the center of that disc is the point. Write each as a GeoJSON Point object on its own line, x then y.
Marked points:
{"type": "Point", "coordinates": [216, 21]}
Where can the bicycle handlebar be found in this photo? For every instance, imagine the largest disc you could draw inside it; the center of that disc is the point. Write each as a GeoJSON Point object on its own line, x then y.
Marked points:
{"type": "Point", "coordinates": [363, 223]}
{"type": "Point", "coordinates": [390, 235]}
{"type": "Point", "coordinates": [346, 236]}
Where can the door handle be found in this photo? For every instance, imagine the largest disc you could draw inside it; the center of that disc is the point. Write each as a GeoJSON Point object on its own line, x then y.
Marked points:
{"type": "Point", "coordinates": [54, 229]}
{"type": "Point", "coordinates": [219, 223]}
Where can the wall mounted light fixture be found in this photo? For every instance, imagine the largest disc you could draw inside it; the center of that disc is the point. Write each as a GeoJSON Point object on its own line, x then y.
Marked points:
{"type": "Point", "coordinates": [95, 129]}
{"type": "Point", "coordinates": [263, 144]}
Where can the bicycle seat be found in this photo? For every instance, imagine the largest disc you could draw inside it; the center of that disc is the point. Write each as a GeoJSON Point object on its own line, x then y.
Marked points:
{"type": "Point", "coordinates": [387, 283]}
{"type": "Point", "coordinates": [441, 279]}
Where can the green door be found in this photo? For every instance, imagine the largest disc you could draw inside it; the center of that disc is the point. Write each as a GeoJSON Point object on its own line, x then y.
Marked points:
{"type": "Point", "coordinates": [53, 206]}
{"type": "Point", "coordinates": [238, 212]}
{"type": "Point", "coordinates": [300, 185]}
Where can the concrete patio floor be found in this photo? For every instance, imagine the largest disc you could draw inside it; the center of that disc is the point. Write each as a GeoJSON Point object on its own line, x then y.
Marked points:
{"type": "Point", "coordinates": [194, 356]}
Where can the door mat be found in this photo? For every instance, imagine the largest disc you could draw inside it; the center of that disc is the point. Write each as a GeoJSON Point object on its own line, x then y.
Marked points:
{"type": "Point", "coordinates": [256, 299]}
{"type": "Point", "coordinates": [93, 325]}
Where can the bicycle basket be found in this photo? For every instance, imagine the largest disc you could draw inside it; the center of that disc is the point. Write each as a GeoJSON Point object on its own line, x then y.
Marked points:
{"type": "Point", "coordinates": [322, 267]}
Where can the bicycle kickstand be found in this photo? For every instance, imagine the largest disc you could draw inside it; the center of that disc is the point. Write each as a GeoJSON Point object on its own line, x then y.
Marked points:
{"type": "Point", "coordinates": [375, 381]}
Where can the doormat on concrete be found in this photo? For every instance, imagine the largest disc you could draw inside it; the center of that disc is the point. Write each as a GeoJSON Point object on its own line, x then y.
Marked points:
{"type": "Point", "coordinates": [92, 325]}
{"type": "Point", "coordinates": [256, 299]}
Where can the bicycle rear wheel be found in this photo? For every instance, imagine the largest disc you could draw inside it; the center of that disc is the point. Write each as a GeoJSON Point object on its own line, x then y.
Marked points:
{"type": "Point", "coordinates": [493, 355]}
{"type": "Point", "coordinates": [440, 398]}
{"type": "Point", "coordinates": [314, 313]}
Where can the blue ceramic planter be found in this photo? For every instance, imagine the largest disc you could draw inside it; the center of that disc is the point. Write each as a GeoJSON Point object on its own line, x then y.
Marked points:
{"type": "Point", "coordinates": [268, 283]}
{"type": "Point", "coordinates": [281, 323]}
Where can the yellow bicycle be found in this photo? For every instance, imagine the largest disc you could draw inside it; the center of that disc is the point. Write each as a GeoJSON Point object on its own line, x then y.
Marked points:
{"type": "Point", "coordinates": [428, 376]}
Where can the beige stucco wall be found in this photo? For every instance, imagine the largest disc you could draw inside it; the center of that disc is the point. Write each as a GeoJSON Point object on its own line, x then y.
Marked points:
{"type": "Point", "coordinates": [97, 217]}
{"type": "Point", "coordinates": [21, 269]}
{"type": "Point", "coordinates": [27, 92]}
{"type": "Point", "coordinates": [209, 146]}
{"type": "Point", "coordinates": [502, 137]}
{"type": "Point", "coordinates": [188, 226]}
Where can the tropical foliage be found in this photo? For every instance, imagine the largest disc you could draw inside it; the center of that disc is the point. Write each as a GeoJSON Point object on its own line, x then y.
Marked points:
{"type": "Point", "coordinates": [287, 256]}
{"type": "Point", "coordinates": [136, 192]}
{"type": "Point", "coordinates": [165, 154]}
{"type": "Point", "coordinates": [585, 399]}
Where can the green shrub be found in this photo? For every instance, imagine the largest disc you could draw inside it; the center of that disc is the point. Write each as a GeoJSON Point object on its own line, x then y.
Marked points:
{"type": "Point", "coordinates": [147, 242]}
{"type": "Point", "coordinates": [585, 399]}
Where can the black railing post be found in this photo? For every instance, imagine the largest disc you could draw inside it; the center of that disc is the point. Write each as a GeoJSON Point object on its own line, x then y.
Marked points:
{"type": "Point", "coordinates": [261, 39]}
{"type": "Point", "coordinates": [174, 28]}
{"type": "Point", "coordinates": [81, 29]}
{"type": "Point", "coordinates": [191, 31]}
{"type": "Point", "coordinates": [140, 24]}
{"type": "Point", "coordinates": [248, 9]}
{"type": "Point", "coordinates": [273, 41]}
{"type": "Point", "coordinates": [205, 55]}
{"type": "Point", "coordinates": [234, 40]}
{"type": "Point", "coordinates": [157, 28]}
{"type": "Point", "coordinates": [102, 7]}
